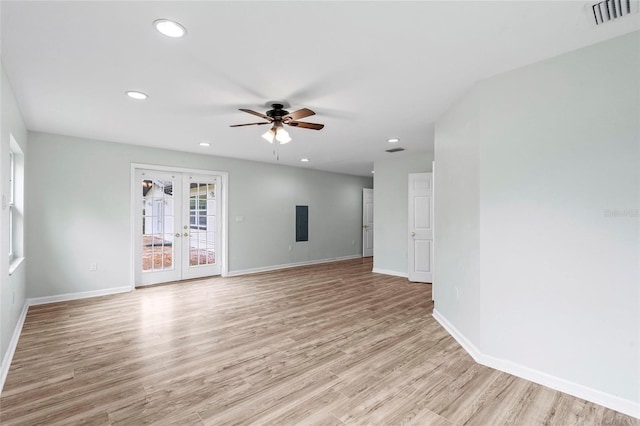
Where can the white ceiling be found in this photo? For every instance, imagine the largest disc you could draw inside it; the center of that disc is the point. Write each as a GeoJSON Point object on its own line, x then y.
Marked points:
{"type": "Point", "coordinates": [370, 70]}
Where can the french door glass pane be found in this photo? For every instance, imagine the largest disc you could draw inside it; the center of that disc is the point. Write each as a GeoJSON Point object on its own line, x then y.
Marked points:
{"type": "Point", "coordinates": [157, 225]}
{"type": "Point", "coordinates": [202, 223]}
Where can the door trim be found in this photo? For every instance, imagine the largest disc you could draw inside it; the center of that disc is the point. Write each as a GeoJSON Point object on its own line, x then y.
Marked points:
{"type": "Point", "coordinates": [364, 214]}
{"type": "Point", "coordinates": [433, 227]}
{"type": "Point", "coordinates": [224, 240]}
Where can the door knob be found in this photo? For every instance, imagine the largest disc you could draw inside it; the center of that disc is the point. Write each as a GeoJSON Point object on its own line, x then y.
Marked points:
{"type": "Point", "coordinates": [178, 234]}
{"type": "Point", "coordinates": [365, 226]}
{"type": "Point", "coordinates": [413, 234]}
{"type": "Point", "coordinates": [186, 234]}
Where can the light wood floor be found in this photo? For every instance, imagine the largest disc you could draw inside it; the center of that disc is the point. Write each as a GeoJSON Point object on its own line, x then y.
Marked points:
{"type": "Point", "coordinates": [328, 344]}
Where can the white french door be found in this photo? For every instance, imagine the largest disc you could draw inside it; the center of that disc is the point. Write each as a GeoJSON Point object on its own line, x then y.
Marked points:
{"type": "Point", "coordinates": [177, 226]}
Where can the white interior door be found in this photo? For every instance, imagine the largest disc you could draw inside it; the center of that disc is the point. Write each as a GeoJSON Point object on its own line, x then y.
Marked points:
{"type": "Point", "coordinates": [420, 239]}
{"type": "Point", "coordinates": [367, 222]}
{"type": "Point", "coordinates": [177, 226]}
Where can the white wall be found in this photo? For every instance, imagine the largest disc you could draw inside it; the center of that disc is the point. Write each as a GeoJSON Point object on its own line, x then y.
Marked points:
{"type": "Point", "coordinates": [390, 209]}
{"type": "Point", "coordinates": [79, 212]}
{"type": "Point", "coordinates": [12, 287]}
{"type": "Point", "coordinates": [537, 226]}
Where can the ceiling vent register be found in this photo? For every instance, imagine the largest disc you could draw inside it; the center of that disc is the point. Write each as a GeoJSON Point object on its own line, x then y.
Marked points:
{"type": "Point", "coordinates": [610, 10]}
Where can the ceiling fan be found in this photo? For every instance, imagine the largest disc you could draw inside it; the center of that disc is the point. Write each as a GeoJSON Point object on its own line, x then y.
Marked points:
{"type": "Point", "coordinates": [278, 116]}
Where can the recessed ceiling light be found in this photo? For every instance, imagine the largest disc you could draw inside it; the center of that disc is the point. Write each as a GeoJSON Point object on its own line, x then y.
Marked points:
{"type": "Point", "coordinates": [169, 28]}
{"type": "Point", "coordinates": [139, 96]}
{"type": "Point", "coordinates": [205, 144]}
{"type": "Point", "coordinates": [304, 160]}
{"type": "Point", "coordinates": [393, 140]}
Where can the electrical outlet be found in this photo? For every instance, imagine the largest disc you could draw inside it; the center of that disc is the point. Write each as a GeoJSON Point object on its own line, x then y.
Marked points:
{"type": "Point", "coordinates": [353, 242]}
{"type": "Point", "coordinates": [93, 266]}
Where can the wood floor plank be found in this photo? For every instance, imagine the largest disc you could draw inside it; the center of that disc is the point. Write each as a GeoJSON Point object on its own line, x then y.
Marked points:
{"type": "Point", "coordinates": [330, 344]}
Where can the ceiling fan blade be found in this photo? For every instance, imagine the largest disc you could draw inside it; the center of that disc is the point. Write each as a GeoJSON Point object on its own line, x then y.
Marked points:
{"type": "Point", "coordinates": [249, 124]}
{"type": "Point", "coordinates": [296, 115]}
{"type": "Point", "coordinates": [259, 114]}
{"type": "Point", "coordinates": [305, 125]}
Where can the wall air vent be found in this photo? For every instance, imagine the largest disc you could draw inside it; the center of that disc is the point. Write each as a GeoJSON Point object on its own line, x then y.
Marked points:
{"type": "Point", "coordinates": [610, 10]}
{"type": "Point", "coordinates": [392, 150]}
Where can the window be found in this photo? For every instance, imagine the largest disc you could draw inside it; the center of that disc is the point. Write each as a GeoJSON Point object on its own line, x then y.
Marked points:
{"type": "Point", "coordinates": [12, 180]}
{"type": "Point", "coordinates": [15, 203]}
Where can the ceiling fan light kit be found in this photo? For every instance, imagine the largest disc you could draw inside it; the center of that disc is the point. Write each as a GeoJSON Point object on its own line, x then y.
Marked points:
{"type": "Point", "coordinates": [277, 133]}
{"type": "Point", "coordinates": [282, 136]}
{"type": "Point", "coordinates": [269, 135]}
{"type": "Point", "coordinates": [278, 116]}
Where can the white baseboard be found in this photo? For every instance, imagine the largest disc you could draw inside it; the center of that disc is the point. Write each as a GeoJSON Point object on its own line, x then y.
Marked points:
{"type": "Point", "coordinates": [74, 296]}
{"type": "Point", "coordinates": [13, 343]}
{"type": "Point", "coordinates": [389, 272]}
{"type": "Point", "coordinates": [290, 265]}
{"type": "Point", "coordinates": [459, 337]}
{"type": "Point", "coordinates": [614, 402]}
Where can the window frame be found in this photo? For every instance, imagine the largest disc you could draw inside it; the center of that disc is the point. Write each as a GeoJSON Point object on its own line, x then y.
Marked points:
{"type": "Point", "coordinates": [12, 205]}
{"type": "Point", "coordinates": [15, 202]}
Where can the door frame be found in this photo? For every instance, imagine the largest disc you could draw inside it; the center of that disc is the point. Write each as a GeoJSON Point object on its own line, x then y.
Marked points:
{"type": "Point", "coordinates": [433, 227]}
{"type": "Point", "coordinates": [224, 209]}
{"type": "Point", "coordinates": [364, 230]}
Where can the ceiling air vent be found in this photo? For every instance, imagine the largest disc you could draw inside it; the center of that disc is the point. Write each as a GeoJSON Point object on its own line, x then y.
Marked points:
{"type": "Point", "coordinates": [392, 150]}
{"type": "Point", "coordinates": [610, 10]}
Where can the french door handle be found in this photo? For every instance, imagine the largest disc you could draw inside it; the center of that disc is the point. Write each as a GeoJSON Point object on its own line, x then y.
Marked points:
{"type": "Point", "coordinates": [413, 234]}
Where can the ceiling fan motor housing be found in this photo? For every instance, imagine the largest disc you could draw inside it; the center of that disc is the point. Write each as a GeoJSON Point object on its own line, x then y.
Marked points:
{"type": "Point", "coordinates": [278, 111]}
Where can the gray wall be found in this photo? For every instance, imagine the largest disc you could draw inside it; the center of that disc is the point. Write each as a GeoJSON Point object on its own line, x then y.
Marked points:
{"type": "Point", "coordinates": [391, 209]}
{"type": "Point", "coordinates": [456, 281]}
{"type": "Point", "coordinates": [79, 198]}
{"type": "Point", "coordinates": [536, 217]}
{"type": "Point", "coordinates": [12, 288]}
